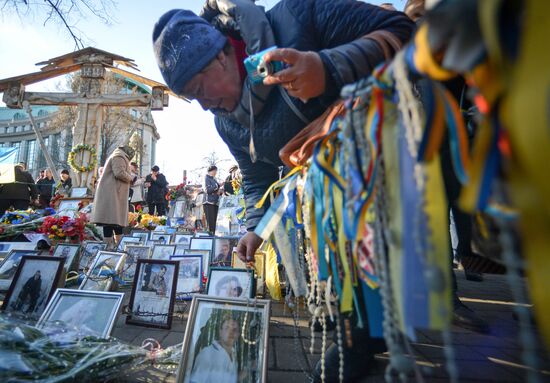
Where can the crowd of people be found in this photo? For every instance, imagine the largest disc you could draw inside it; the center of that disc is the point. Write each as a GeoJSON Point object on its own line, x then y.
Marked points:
{"type": "Point", "coordinates": [24, 192]}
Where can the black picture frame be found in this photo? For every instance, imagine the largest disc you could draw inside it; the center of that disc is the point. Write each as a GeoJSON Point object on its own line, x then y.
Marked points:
{"type": "Point", "coordinates": [5, 280]}
{"type": "Point", "coordinates": [57, 281]}
{"type": "Point", "coordinates": [140, 268]}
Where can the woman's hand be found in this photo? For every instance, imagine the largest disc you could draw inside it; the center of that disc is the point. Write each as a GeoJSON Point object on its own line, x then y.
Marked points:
{"type": "Point", "coordinates": [305, 76]}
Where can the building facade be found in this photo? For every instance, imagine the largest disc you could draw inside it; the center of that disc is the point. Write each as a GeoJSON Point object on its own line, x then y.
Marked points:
{"type": "Point", "coordinates": [16, 131]}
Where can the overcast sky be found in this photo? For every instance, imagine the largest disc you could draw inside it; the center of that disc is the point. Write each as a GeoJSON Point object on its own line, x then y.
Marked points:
{"type": "Point", "coordinates": [187, 132]}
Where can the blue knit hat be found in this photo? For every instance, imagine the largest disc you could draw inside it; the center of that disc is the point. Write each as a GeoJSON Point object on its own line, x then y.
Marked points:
{"type": "Point", "coordinates": [184, 44]}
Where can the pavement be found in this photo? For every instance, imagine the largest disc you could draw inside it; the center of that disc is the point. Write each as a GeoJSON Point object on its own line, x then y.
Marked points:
{"type": "Point", "coordinates": [492, 357]}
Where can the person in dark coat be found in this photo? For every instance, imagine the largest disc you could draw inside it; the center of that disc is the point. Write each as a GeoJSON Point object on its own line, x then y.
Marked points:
{"type": "Point", "coordinates": [20, 193]}
{"type": "Point", "coordinates": [65, 184]}
{"type": "Point", "coordinates": [210, 204]}
{"type": "Point", "coordinates": [157, 189]}
{"type": "Point", "coordinates": [45, 186]}
{"type": "Point", "coordinates": [30, 290]}
{"type": "Point", "coordinates": [325, 47]}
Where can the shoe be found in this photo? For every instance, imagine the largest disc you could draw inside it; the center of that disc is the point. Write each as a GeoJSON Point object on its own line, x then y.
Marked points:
{"type": "Point", "coordinates": [356, 365]}
{"type": "Point", "coordinates": [468, 319]}
{"type": "Point", "coordinates": [473, 276]}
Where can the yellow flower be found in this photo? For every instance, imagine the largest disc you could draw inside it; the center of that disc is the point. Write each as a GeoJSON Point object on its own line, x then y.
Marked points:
{"type": "Point", "coordinates": [54, 227]}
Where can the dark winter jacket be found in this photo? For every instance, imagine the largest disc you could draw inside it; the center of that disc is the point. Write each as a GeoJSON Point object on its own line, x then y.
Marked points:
{"type": "Point", "coordinates": [332, 28]}
{"type": "Point", "coordinates": [45, 186]}
{"type": "Point", "coordinates": [212, 187]}
{"type": "Point", "coordinates": [158, 189]}
{"type": "Point", "coordinates": [23, 188]}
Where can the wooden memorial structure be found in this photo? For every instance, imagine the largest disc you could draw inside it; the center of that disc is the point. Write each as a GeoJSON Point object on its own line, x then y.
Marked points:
{"type": "Point", "coordinates": [92, 64]}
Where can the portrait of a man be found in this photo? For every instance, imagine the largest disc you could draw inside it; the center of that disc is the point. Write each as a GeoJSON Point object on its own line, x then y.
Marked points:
{"type": "Point", "coordinates": [223, 253]}
{"type": "Point", "coordinates": [29, 293]}
{"type": "Point", "coordinates": [157, 282]}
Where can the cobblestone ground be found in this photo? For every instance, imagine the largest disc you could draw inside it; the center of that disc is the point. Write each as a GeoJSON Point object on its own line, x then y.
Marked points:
{"type": "Point", "coordinates": [492, 357]}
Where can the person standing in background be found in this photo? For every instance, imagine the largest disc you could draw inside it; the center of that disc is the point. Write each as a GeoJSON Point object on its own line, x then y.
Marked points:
{"type": "Point", "coordinates": [110, 208]}
{"type": "Point", "coordinates": [18, 194]}
{"type": "Point", "coordinates": [45, 187]}
{"type": "Point", "coordinates": [213, 192]}
{"type": "Point", "coordinates": [156, 193]}
{"type": "Point", "coordinates": [65, 185]}
{"type": "Point", "coordinates": [136, 191]}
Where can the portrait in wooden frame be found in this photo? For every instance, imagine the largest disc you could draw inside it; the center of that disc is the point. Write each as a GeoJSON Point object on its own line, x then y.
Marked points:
{"type": "Point", "coordinates": [258, 266]}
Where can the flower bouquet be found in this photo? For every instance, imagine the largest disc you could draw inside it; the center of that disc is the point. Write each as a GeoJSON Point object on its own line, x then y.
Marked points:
{"type": "Point", "coordinates": [140, 220]}
{"type": "Point", "coordinates": [64, 228]}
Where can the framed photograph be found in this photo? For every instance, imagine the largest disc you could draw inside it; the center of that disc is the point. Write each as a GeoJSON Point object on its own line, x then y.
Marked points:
{"type": "Point", "coordinates": [223, 249]}
{"type": "Point", "coordinates": [89, 251]}
{"type": "Point", "coordinates": [162, 238]}
{"type": "Point", "coordinates": [92, 313]}
{"type": "Point", "coordinates": [226, 340]}
{"type": "Point", "coordinates": [200, 234]}
{"type": "Point", "coordinates": [163, 251]}
{"type": "Point", "coordinates": [258, 266]}
{"type": "Point", "coordinates": [79, 192]}
{"type": "Point", "coordinates": [182, 239]}
{"type": "Point", "coordinates": [154, 292]}
{"type": "Point", "coordinates": [201, 243]}
{"type": "Point", "coordinates": [226, 282]}
{"type": "Point", "coordinates": [179, 209]}
{"type": "Point", "coordinates": [69, 251]}
{"type": "Point", "coordinates": [68, 208]}
{"type": "Point", "coordinates": [189, 276]}
{"type": "Point", "coordinates": [206, 254]}
{"type": "Point", "coordinates": [100, 276]}
{"type": "Point", "coordinates": [144, 235]}
{"type": "Point", "coordinates": [9, 266]}
{"type": "Point", "coordinates": [6, 247]}
{"type": "Point", "coordinates": [152, 243]}
{"type": "Point", "coordinates": [127, 239]}
{"type": "Point", "coordinates": [133, 253]}
{"type": "Point", "coordinates": [33, 284]}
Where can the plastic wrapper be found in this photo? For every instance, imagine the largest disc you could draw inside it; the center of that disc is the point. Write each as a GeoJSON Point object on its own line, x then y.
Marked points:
{"type": "Point", "coordinates": [61, 354]}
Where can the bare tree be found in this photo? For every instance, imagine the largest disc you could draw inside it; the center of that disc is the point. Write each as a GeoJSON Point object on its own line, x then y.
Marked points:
{"type": "Point", "coordinates": [65, 13]}
{"type": "Point", "coordinates": [211, 159]}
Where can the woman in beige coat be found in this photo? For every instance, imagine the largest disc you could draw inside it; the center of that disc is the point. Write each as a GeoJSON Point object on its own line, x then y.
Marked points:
{"type": "Point", "coordinates": [110, 208]}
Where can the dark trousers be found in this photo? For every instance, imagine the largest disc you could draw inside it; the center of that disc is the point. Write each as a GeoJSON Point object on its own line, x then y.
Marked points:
{"type": "Point", "coordinates": [463, 221]}
{"type": "Point", "coordinates": [17, 204]}
{"type": "Point", "coordinates": [211, 213]}
{"type": "Point", "coordinates": [110, 230]}
{"type": "Point", "coordinates": [160, 208]}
